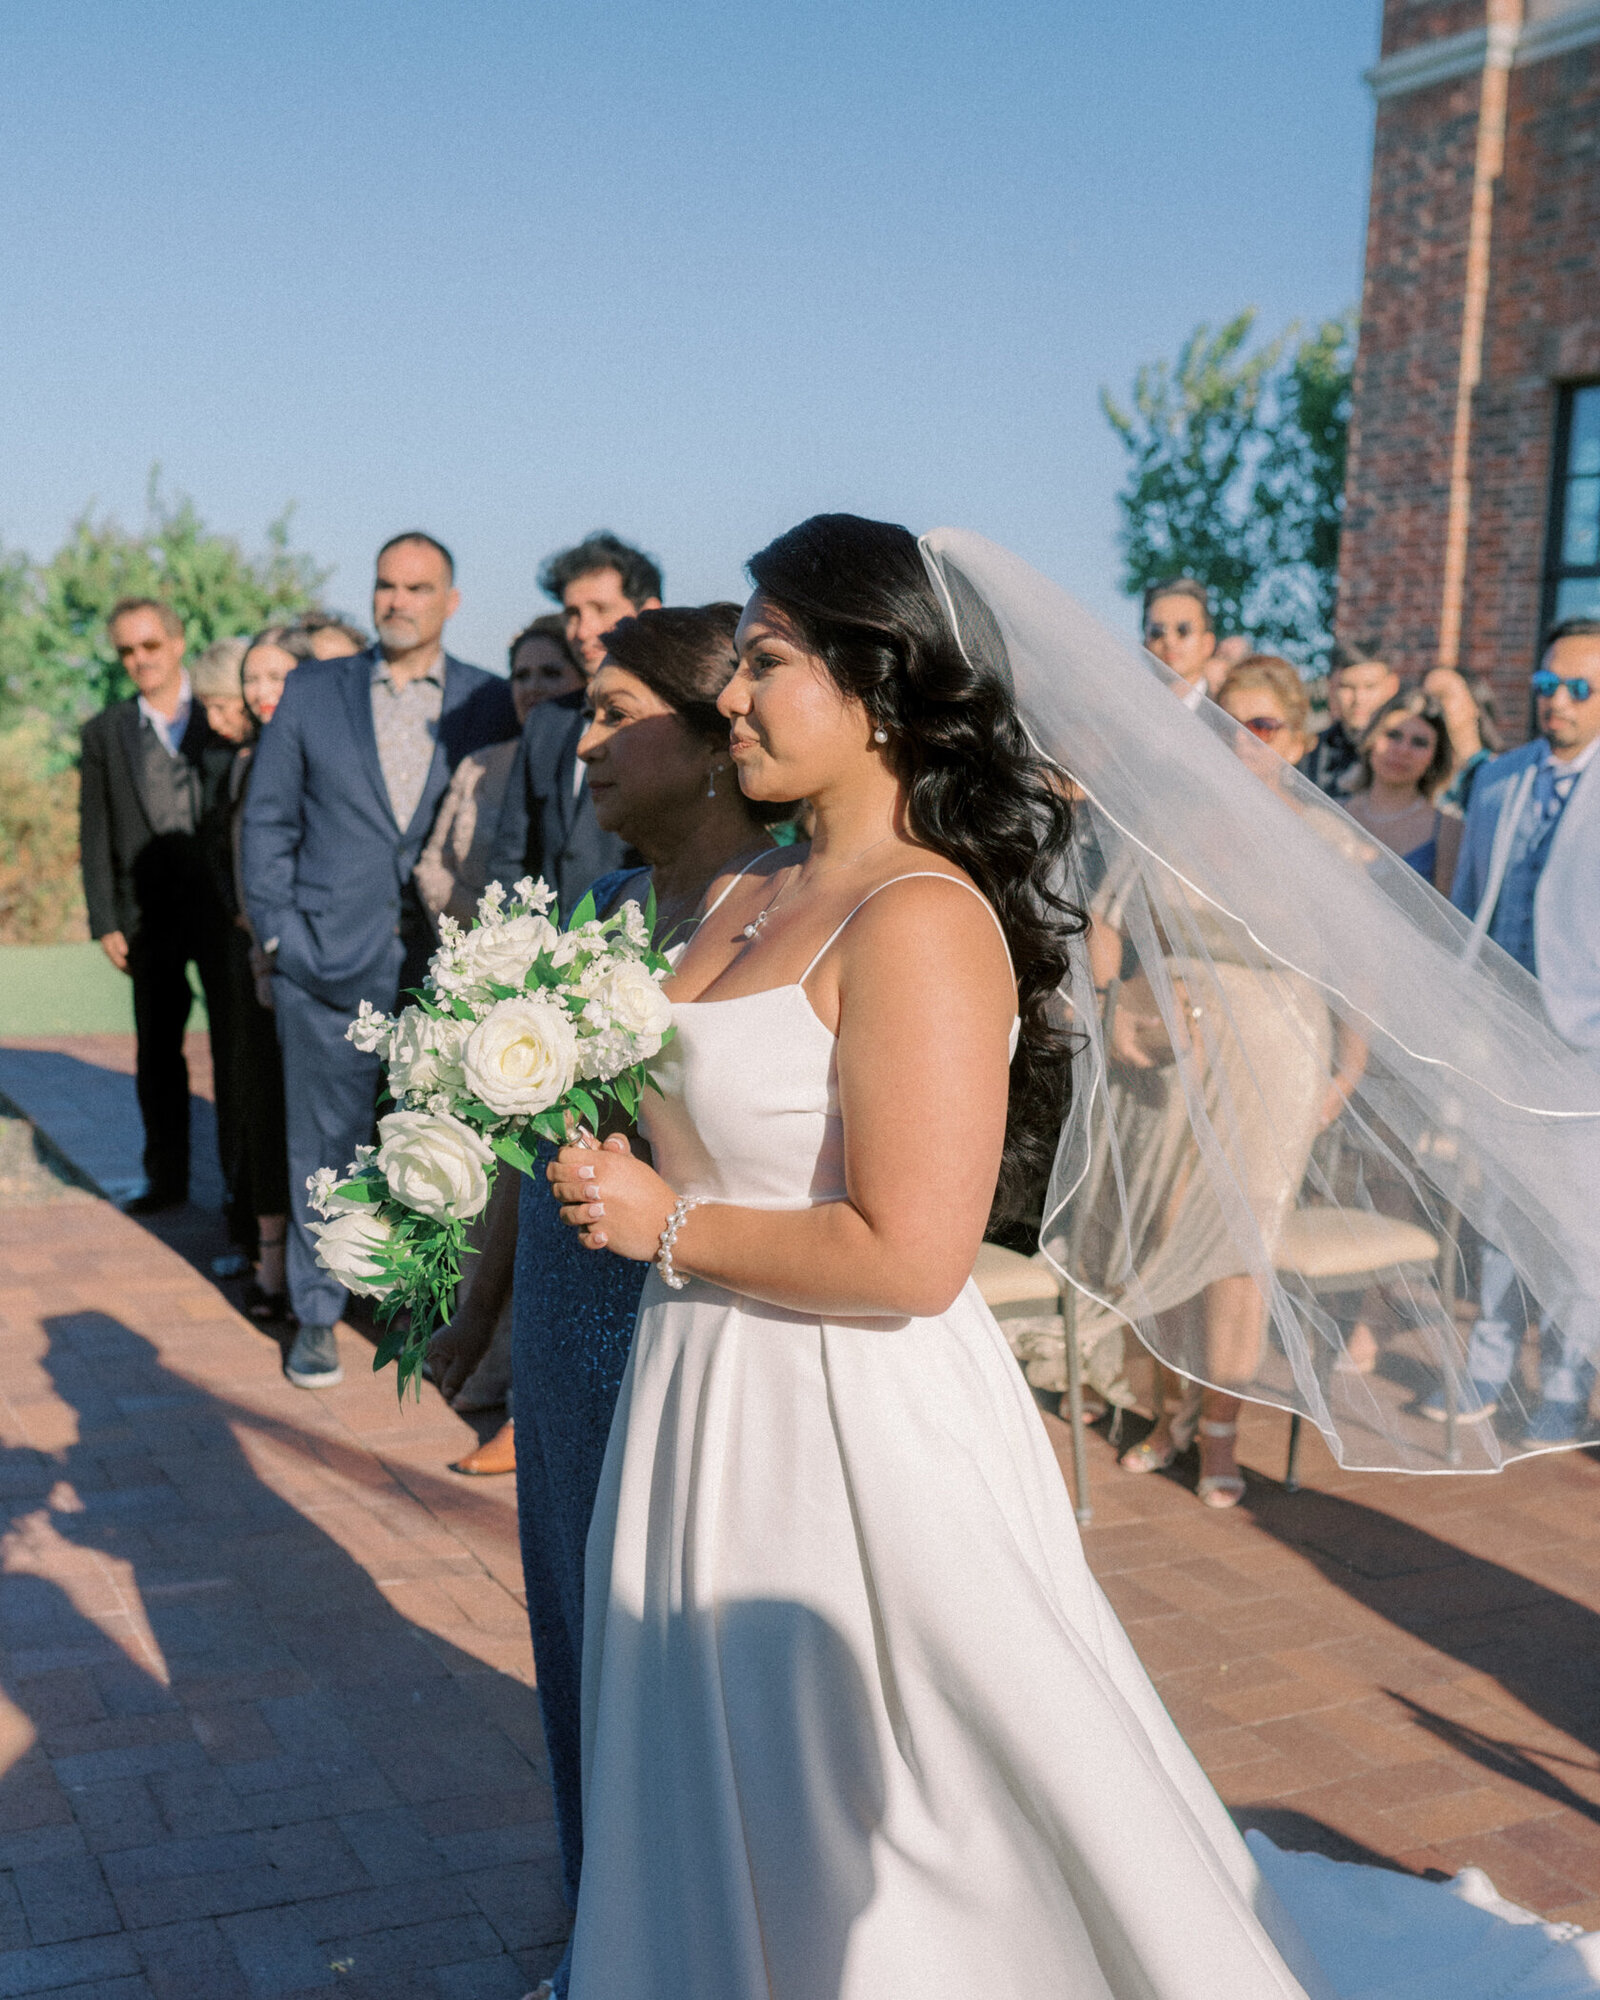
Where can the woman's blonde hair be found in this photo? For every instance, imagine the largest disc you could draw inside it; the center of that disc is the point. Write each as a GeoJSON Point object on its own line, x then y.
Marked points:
{"type": "Point", "coordinates": [1275, 677]}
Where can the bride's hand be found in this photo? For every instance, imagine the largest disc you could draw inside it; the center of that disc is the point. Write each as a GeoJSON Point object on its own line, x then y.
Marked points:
{"type": "Point", "coordinates": [615, 1201]}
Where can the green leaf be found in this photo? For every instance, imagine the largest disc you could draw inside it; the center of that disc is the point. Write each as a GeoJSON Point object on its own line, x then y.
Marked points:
{"type": "Point", "coordinates": [583, 914]}
{"type": "Point", "coordinates": [513, 1152]}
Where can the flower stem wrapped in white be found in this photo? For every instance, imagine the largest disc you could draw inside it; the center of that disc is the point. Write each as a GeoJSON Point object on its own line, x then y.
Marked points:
{"type": "Point", "coordinates": [434, 1164]}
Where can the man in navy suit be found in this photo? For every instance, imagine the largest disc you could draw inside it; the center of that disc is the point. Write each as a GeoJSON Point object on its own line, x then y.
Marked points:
{"type": "Point", "coordinates": [547, 825]}
{"type": "Point", "coordinates": [1529, 877]}
{"type": "Point", "coordinates": [347, 779]}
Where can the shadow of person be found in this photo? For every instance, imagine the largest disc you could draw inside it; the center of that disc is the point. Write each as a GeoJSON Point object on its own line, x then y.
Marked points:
{"type": "Point", "coordinates": [1539, 1645]}
{"type": "Point", "coordinates": [227, 1709]}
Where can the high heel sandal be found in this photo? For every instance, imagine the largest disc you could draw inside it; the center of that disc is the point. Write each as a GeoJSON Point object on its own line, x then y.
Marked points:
{"type": "Point", "coordinates": [1147, 1455]}
{"type": "Point", "coordinates": [1219, 1489]}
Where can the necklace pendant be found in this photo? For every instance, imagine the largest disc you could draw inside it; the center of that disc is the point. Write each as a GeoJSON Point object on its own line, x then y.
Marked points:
{"type": "Point", "coordinates": [753, 928]}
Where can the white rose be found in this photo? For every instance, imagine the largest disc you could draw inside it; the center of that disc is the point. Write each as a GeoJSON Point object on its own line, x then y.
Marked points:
{"type": "Point", "coordinates": [348, 1245]}
{"type": "Point", "coordinates": [425, 1054]}
{"type": "Point", "coordinates": [497, 955]}
{"type": "Point", "coordinates": [434, 1164]}
{"type": "Point", "coordinates": [522, 1056]}
{"type": "Point", "coordinates": [631, 1000]}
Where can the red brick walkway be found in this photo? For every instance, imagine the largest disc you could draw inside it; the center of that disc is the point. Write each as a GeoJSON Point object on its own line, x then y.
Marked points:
{"type": "Point", "coordinates": [1383, 1668]}
{"type": "Point", "coordinates": [266, 1721]}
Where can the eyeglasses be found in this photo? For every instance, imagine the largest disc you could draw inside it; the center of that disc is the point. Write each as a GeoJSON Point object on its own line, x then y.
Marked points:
{"type": "Point", "coordinates": [1181, 630]}
{"type": "Point", "coordinates": [1545, 684]}
{"type": "Point", "coordinates": [1264, 726]}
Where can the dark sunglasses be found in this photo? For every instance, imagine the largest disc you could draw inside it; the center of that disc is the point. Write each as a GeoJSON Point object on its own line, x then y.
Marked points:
{"type": "Point", "coordinates": [1545, 684]}
{"type": "Point", "coordinates": [1264, 726]}
{"type": "Point", "coordinates": [1182, 629]}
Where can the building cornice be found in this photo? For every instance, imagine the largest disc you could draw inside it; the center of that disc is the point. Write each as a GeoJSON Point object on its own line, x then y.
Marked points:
{"type": "Point", "coordinates": [1496, 47]}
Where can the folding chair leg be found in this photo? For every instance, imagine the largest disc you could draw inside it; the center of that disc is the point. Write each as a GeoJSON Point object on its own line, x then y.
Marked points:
{"type": "Point", "coordinates": [1080, 1467]}
{"type": "Point", "coordinates": [1291, 1472]}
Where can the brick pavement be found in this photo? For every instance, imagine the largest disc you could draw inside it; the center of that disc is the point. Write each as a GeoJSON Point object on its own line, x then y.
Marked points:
{"type": "Point", "coordinates": [266, 1714]}
{"type": "Point", "coordinates": [266, 1717]}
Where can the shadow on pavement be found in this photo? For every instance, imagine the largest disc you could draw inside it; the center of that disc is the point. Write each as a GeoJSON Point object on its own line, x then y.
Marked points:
{"type": "Point", "coordinates": [230, 1759]}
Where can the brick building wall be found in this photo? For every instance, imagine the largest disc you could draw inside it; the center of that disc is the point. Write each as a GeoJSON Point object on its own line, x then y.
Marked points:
{"type": "Point", "coordinates": [1540, 289]}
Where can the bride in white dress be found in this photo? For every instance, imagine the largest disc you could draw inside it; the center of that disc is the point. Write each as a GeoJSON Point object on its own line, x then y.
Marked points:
{"type": "Point", "coordinates": [858, 1722]}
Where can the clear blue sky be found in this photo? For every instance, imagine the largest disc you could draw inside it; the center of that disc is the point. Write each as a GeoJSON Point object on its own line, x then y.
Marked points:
{"type": "Point", "coordinates": [512, 270]}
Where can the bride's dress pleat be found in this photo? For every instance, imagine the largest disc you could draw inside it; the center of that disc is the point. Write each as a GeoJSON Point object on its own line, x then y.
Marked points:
{"type": "Point", "coordinates": [859, 1724]}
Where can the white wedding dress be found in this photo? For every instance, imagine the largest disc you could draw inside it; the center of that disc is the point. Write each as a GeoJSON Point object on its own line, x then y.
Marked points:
{"type": "Point", "coordinates": [858, 1722]}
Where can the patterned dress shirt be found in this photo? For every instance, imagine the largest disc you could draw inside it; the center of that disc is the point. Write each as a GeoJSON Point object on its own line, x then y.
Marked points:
{"type": "Point", "coordinates": [405, 720]}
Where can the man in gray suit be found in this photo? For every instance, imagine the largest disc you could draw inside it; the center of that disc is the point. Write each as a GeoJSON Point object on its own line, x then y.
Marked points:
{"type": "Point", "coordinates": [345, 784]}
{"type": "Point", "coordinates": [547, 825]}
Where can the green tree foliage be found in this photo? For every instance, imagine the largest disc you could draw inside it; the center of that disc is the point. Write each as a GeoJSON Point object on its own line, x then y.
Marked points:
{"type": "Point", "coordinates": [56, 663]}
{"type": "Point", "coordinates": [1237, 476]}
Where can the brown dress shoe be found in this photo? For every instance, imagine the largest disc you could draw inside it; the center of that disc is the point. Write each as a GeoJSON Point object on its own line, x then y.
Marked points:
{"type": "Point", "coordinates": [496, 1454]}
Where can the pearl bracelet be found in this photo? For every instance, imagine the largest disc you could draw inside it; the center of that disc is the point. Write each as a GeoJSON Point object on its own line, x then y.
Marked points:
{"type": "Point", "coordinates": [669, 1277]}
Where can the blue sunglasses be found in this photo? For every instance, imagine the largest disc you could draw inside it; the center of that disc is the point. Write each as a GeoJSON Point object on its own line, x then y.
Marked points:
{"type": "Point", "coordinates": [1546, 683]}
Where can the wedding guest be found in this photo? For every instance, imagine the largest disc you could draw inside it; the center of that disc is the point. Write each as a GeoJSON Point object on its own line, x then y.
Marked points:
{"type": "Point", "coordinates": [454, 867]}
{"type": "Point", "coordinates": [656, 752]}
{"type": "Point", "coordinates": [254, 1067]}
{"type": "Point", "coordinates": [1469, 715]}
{"type": "Point", "coordinates": [1176, 1224]}
{"type": "Point", "coordinates": [332, 637]}
{"type": "Point", "coordinates": [547, 824]}
{"type": "Point", "coordinates": [346, 782]}
{"type": "Point", "coordinates": [149, 893]}
{"type": "Point", "coordinates": [1403, 761]}
{"type": "Point", "coordinates": [215, 680]}
{"type": "Point", "coordinates": [451, 875]}
{"type": "Point", "coordinates": [1180, 631]}
{"type": "Point", "coordinates": [1529, 875]}
{"type": "Point", "coordinates": [214, 677]}
{"type": "Point", "coordinates": [1356, 691]}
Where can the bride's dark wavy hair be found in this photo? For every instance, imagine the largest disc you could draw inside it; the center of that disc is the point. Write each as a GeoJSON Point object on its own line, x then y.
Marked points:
{"type": "Point", "coordinates": [976, 790]}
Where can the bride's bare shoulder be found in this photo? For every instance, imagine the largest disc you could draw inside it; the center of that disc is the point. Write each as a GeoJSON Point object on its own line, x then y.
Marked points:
{"type": "Point", "coordinates": [931, 911]}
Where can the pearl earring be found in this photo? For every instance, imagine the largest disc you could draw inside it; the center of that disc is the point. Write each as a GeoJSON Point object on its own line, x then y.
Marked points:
{"type": "Point", "coordinates": [880, 736]}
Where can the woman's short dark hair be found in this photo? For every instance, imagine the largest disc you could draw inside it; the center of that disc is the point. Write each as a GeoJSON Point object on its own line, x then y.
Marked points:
{"type": "Point", "coordinates": [976, 790]}
{"type": "Point", "coordinates": [333, 621]}
{"type": "Point", "coordinates": [1411, 701]}
{"type": "Point", "coordinates": [550, 626]}
{"type": "Point", "coordinates": [684, 654]}
{"type": "Point", "coordinates": [1181, 586]}
{"type": "Point", "coordinates": [640, 574]}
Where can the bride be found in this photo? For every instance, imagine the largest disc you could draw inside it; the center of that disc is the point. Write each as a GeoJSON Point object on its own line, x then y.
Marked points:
{"type": "Point", "coordinates": [858, 1722]}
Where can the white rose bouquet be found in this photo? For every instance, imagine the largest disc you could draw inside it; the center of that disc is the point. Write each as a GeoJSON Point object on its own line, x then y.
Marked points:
{"type": "Point", "coordinates": [521, 1030]}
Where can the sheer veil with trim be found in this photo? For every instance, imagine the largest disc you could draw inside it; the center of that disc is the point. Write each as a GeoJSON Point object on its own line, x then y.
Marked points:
{"type": "Point", "coordinates": [1261, 941]}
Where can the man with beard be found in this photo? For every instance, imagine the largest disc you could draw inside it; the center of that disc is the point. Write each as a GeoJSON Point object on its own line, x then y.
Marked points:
{"type": "Point", "coordinates": [347, 779]}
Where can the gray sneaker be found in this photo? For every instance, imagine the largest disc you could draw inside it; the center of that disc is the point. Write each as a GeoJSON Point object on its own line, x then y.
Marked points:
{"type": "Point", "coordinates": [314, 1359]}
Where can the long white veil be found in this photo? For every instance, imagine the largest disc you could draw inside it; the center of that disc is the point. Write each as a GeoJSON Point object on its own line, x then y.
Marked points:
{"type": "Point", "coordinates": [1259, 941]}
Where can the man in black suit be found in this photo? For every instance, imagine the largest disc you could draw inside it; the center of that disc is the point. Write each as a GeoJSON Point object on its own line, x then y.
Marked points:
{"type": "Point", "coordinates": [547, 825]}
{"type": "Point", "coordinates": [343, 792]}
{"type": "Point", "coordinates": [147, 766]}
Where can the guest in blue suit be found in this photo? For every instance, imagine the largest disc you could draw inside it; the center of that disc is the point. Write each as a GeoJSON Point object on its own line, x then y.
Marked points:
{"type": "Point", "coordinates": [1529, 877]}
{"type": "Point", "coordinates": [346, 783]}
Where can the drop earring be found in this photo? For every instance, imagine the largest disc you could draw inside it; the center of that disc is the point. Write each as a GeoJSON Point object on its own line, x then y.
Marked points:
{"type": "Point", "coordinates": [711, 783]}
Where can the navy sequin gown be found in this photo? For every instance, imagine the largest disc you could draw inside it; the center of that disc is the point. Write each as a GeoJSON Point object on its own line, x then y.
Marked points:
{"type": "Point", "coordinates": [572, 1315]}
